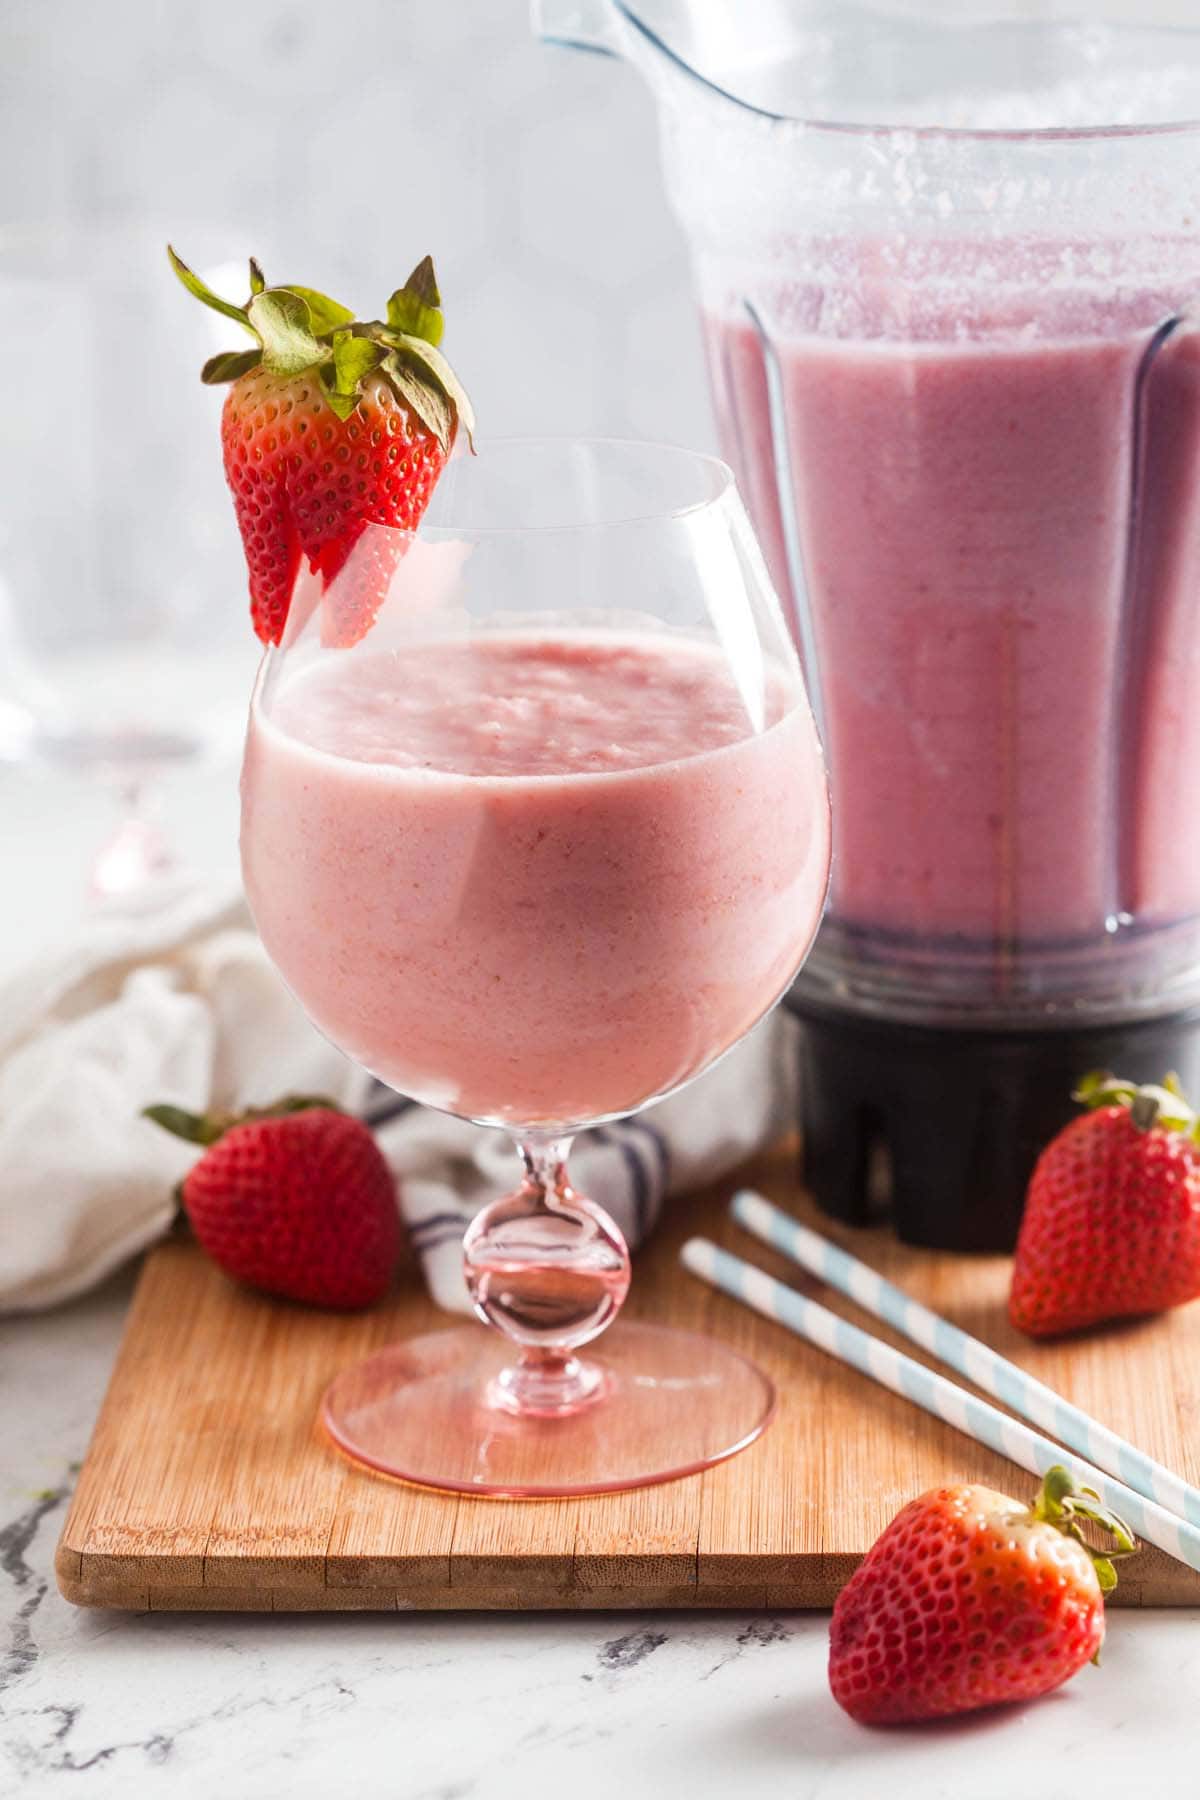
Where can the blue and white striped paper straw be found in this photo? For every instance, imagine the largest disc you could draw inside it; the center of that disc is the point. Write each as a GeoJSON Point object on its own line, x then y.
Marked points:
{"type": "Point", "coordinates": [892, 1369]}
{"type": "Point", "coordinates": [977, 1361]}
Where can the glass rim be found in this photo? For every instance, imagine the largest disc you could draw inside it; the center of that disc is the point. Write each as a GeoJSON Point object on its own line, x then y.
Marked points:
{"type": "Point", "coordinates": [867, 130]}
{"type": "Point", "coordinates": [720, 477]}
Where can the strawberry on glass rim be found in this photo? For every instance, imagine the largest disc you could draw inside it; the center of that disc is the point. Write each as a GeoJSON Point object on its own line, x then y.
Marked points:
{"type": "Point", "coordinates": [331, 424]}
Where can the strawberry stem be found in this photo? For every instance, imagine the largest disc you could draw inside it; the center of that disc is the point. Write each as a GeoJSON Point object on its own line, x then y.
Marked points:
{"type": "Point", "coordinates": [206, 1128]}
{"type": "Point", "coordinates": [1062, 1502]}
{"type": "Point", "coordinates": [297, 329]}
{"type": "Point", "coordinates": [1150, 1104]}
{"type": "Point", "coordinates": [1144, 1110]}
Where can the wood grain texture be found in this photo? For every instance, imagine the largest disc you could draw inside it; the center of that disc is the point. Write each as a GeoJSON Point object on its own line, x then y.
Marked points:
{"type": "Point", "coordinates": [209, 1486]}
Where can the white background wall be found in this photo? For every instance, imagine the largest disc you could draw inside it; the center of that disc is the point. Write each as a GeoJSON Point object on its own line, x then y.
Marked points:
{"type": "Point", "coordinates": [344, 141]}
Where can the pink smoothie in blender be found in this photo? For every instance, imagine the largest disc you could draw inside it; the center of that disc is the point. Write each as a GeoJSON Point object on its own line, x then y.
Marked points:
{"type": "Point", "coordinates": [947, 278]}
{"type": "Point", "coordinates": [964, 510]}
{"type": "Point", "coordinates": [986, 515]}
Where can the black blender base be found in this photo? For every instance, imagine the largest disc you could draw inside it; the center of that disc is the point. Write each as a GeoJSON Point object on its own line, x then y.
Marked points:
{"type": "Point", "coordinates": [955, 1118]}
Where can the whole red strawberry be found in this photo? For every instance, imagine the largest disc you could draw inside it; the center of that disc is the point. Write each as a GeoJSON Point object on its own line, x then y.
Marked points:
{"type": "Point", "coordinates": [1111, 1226]}
{"type": "Point", "coordinates": [969, 1598]}
{"type": "Point", "coordinates": [294, 1199]}
{"type": "Point", "coordinates": [331, 425]}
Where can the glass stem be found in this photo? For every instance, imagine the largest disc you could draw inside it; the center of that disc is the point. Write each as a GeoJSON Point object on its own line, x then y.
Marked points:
{"type": "Point", "coordinates": [550, 1269]}
{"type": "Point", "coordinates": [545, 1376]}
{"type": "Point", "coordinates": [545, 1160]}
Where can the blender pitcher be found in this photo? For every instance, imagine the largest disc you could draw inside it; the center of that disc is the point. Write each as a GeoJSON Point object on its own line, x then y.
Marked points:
{"type": "Point", "coordinates": [946, 275]}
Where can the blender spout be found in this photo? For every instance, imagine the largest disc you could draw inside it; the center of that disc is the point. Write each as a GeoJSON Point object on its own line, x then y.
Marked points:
{"type": "Point", "coordinates": [675, 49]}
{"type": "Point", "coordinates": [577, 24]}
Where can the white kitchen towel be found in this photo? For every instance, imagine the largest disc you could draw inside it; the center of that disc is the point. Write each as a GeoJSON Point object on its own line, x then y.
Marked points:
{"type": "Point", "coordinates": [172, 998]}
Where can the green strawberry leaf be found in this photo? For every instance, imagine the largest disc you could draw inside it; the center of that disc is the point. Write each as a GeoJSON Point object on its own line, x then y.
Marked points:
{"type": "Point", "coordinates": [429, 404]}
{"type": "Point", "coordinates": [342, 404]}
{"type": "Point", "coordinates": [298, 329]}
{"type": "Point", "coordinates": [291, 1103]}
{"type": "Point", "coordinates": [1150, 1104]}
{"type": "Point", "coordinates": [325, 315]}
{"type": "Point", "coordinates": [204, 293]}
{"type": "Point", "coordinates": [227, 365]}
{"type": "Point", "coordinates": [207, 1128]}
{"type": "Point", "coordinates": [283, 323]}
{"type": "Point", "coordinates": [353, 359]}
{"type": "Point", "coordinates": [423, 283]}
{"type": "Point", "coordinates": [193, 1128]}
{"type": "Point", "coordinates": [1106, 1575]}
{"type": "Point", "coordinates": [416, 308]}
{"type": "Point", "coordinates": [1062, 1502]}
{"type": "Point", "coordinates": [437, 366]}
{"type": "Point", "coordinates": [432, 368]}
{"type": "Point", "coordinates": [1096, 1081]}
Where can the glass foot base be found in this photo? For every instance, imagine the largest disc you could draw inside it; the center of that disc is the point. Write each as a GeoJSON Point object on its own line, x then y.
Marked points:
{"type": "Point", "coordinates": [668, 1403]}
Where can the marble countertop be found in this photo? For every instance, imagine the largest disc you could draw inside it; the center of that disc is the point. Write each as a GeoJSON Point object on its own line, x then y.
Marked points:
{"type": "Point", "coordinates": [458, 1707]}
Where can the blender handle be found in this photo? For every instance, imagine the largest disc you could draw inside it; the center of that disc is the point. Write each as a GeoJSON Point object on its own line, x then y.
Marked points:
{"type": "Point", "coordinates": [577, 24]}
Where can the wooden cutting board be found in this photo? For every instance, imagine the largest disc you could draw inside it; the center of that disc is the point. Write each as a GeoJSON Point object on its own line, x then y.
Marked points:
{"type": "Point", "coordinates": [209, 1485]}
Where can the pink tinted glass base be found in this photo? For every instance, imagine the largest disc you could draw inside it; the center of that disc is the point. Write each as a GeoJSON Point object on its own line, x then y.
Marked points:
{"type": "Point", "coordinates": [429, 1410]}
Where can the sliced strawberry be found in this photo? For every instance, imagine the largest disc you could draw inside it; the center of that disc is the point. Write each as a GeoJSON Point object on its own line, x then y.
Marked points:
{"type": "Point", "coordinates": [332, 426]}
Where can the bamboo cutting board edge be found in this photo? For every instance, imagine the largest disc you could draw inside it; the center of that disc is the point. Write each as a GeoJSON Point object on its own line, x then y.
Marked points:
{"type": "Point", "coordinates": [209, 1486]}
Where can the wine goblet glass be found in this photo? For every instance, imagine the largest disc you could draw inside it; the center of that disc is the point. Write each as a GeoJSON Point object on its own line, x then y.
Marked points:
{"type": "Point", "coordinates": [540, 846]}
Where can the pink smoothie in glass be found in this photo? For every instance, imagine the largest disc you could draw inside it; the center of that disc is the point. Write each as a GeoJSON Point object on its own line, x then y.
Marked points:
{"type": "Point", "coordinates": [1010, 696]}
{"type": "Point", "coordinates": [534, 880]}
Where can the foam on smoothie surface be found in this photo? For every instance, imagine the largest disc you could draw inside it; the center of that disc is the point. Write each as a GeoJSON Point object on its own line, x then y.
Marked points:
{"type": "Point", "coordinates": [513, 705]}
